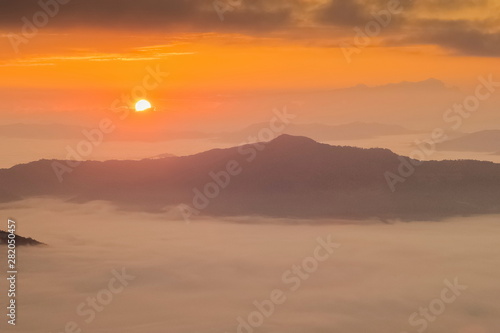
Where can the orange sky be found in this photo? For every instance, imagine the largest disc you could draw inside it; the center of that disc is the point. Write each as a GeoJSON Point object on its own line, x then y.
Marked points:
{"type": "Point", "coordinates": [55, 76]}
{"type": "Point", "coordinates": [228, 62]}
{"type": "Point", "coordinates": [91, 53]}
{"type": "Point", "coordinates": [272, 45]}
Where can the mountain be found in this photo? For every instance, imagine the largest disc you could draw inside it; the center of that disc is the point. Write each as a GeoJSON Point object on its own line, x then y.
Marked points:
{"type": "Point", "coordinates": [69, 132]}
{"type": "Point", "coordinates": [482, 141]}
{"type": "Point", "coordinates": [160, 156]}
{"type": "Point", "coordinates": [286, 177]}
{"type": "Point", "coordinates": [429, 84]}
{"type": "Point", "coordinates": [41, 131]}
{"type": "Point", "coordinates": [323, 132]}
{"type": "Point", "coordinates": [20, 241]}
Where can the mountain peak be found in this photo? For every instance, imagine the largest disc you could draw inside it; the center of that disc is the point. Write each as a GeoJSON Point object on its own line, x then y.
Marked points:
{"type": "Point", "coordinates": [292, 140]}
{"type": "Point", "coordinates": [293, 177]}
{"type": "Point", "coordinates": [428, 83]}
{"type": "Point", "coordinates": [19, 240]}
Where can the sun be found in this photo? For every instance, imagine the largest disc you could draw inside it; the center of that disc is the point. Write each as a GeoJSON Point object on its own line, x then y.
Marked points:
{"type": "Point", "coordinates": [142, 105]}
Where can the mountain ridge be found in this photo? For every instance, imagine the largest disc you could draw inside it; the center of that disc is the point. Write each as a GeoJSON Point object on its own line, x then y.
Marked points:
{"type": "Point", "coordinates": [20, 241]}
{"type": "Point", "coordinates": [487, 141]}
{"type": "Point", "coordinates": [289, 176]}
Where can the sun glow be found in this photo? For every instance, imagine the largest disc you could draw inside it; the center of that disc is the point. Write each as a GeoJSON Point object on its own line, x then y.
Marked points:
{"type": "Point", "coordinates": [142, 105]}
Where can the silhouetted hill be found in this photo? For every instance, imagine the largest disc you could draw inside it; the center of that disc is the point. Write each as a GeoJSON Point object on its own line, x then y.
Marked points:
{"type": "Point", "coordinates": [483, 141]}
{"type": "Point", "coordinates": [288, 177]}
{"type": "Point", "coordinates": [20, 241]}
{"type": "Point", "coordinates": [429, 84]}
{"type": "Point", "coordinates": [323, 132]}
{"type": "Point", "coordinates": [165, 155]}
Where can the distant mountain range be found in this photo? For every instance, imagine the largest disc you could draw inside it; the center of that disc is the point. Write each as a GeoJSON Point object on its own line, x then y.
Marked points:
{"type": "Point", "coordinates": [20, 241]}
{"type": "Point", "coordinates": [324, 132]}
{"type": "Point", "coordinates": [286, 177]}
{"type": "Point", "coordinates": [321, 132]}
{"type": "Point", "coordinates": [431, 83]}
{"type": "Point", "coordinates": [41, 131]}
{"type": "Point", "coordinates": [482, 141]}
{"type": "Point", "coordinates": [165, 155]}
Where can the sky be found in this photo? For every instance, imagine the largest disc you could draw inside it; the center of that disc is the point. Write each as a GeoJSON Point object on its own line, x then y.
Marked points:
{"type": "Point", "coordinates": [226, 64]}
{"type": "Point", "coordinates": [217, 73]}
{"type": "Point", "coordinates": [260, 45]}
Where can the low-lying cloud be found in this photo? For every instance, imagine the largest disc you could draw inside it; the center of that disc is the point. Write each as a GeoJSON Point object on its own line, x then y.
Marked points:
{"type": "Point", "coordinates": [203, 276]}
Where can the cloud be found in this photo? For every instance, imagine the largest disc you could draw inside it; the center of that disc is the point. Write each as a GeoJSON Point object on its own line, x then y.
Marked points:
{"type": "Point", "coordinates": [462, 37]}
{"type": "Point", "coordinates": [466, 27]}
{"type": "Point", "coordinates": [357, 12]}
{"type": "Point", "coordinates": [152, 15]}
{"type": "Point", "coordinates": [452, 5]}
{"type": "Point", "coordinates": [341, 12]}
{"type": "Point", "coordinates": [202, 277]}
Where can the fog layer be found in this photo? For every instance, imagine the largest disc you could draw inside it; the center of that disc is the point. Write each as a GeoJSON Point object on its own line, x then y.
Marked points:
{"type": "Point", "coordinates": [203, 276]}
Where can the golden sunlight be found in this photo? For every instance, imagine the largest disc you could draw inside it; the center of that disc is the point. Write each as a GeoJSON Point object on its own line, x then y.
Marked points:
{"type": "Point", "coordinates": [142, 105]}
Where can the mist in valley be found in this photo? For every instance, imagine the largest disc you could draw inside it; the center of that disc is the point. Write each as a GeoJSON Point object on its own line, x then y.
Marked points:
{"type": "Point", "coordinates": [208, 275]}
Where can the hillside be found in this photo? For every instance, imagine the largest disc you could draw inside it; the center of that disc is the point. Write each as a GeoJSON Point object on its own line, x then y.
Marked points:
{"type": "Point", "coordinates": [483, 141]}
{"type": "Point", "coordinates": [287, 177]}
{"type": "Point", "coordinates": [20, 241]}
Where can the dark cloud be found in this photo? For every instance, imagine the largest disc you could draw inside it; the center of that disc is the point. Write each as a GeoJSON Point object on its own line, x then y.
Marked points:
{"type": "Point", "coordinates": [343, 12]}
{"type": "Point", "coordinates": [461, 36]}
{"type": "Point", "coordinates": [451, 4]}
{"type": "Point", "coordinates": [197, 15]}
{"type": "Point", "coordinates": [466, 37]}
{"type": "Point", "coordinates": [357, 12]}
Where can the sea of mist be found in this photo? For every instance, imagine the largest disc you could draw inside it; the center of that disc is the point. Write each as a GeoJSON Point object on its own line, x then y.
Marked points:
{"type": "Point", "coordinates": [203, 276]}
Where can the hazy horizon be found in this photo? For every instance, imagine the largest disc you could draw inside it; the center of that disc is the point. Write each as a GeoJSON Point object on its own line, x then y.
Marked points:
{"type": "Point", "coordinates": [247, 166]}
